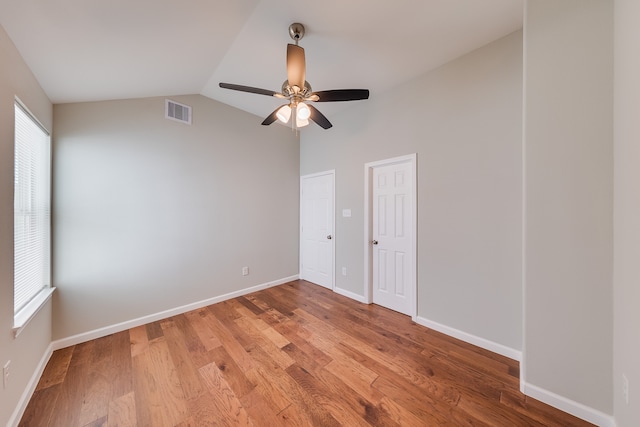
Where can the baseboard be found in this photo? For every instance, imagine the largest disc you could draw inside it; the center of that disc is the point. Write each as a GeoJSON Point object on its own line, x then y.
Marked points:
{"type": "Point", "coordinates": [30, 389]}
{"type": "Point", "coordinates": [567, 405]}
{"type": "Point", "coordinates": [112, 329]}
{"type": "Point", "coordinates": [471, 339]}
{"type": "Point", "coordinates": [350, 294]}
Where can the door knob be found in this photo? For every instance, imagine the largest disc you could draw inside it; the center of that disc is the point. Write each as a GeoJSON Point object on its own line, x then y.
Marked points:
{"type": "Point", "coordinates": [375, 242]}
{"type": "Point", "coordinates": [329, 237]}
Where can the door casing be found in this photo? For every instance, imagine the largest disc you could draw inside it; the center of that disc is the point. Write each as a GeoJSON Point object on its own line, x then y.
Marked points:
{"type": "Point", "coordinates": [333, 222]}
{"type": "Point", "coordinates": [368, 228]}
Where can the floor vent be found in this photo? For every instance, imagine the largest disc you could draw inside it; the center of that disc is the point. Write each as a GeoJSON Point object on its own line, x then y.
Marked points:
{"type": "Point", "coordinates": [176, 111]}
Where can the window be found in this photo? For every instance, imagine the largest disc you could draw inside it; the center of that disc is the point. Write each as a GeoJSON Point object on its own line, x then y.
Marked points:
{"type": "Point", "coordinates": [32, 216]}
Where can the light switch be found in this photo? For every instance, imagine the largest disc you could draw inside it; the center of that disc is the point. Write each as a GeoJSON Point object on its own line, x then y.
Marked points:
{"type": "Point", "coordinates": [346, 213]}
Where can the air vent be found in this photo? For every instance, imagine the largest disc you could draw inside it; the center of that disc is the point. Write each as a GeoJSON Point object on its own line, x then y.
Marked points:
{"type": "Point", "coordinates": [176, 111]}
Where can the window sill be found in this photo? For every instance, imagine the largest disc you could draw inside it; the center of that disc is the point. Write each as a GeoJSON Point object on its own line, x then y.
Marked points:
{"type": "Point", "coordinates": [24, 316]}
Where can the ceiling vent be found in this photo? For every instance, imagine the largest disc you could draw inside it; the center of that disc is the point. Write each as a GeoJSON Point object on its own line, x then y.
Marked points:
{"type": "Point", "coordinates": [176, 111]}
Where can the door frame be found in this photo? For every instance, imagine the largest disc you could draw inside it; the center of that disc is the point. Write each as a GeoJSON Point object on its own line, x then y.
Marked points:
{"type": "Point", "coordinates": [368, 231]}
{"type": "Point", "coordinates": [331, 172]}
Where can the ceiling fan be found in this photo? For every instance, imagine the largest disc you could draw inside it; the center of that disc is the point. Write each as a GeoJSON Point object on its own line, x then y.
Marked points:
{"type": "Point", "coordinates": [298, 91]}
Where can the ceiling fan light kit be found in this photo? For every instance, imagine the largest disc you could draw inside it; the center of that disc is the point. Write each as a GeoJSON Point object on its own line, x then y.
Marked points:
{"type": "Point", "coordinates": [301, 122]}
{"type": "Point", "coordinates": [298, 91]}
{"type": "Point", "coordinates": [284, 113]}
{"type": "Point", "coordinates": [302, 111]}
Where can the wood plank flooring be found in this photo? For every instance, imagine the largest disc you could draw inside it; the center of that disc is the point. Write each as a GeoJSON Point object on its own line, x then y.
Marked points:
{"type": "Point", "coordinates": [292, 355]}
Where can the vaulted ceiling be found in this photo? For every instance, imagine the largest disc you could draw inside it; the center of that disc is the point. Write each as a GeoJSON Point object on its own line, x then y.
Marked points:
{"type": "Point", "coordinates": [90, 50]}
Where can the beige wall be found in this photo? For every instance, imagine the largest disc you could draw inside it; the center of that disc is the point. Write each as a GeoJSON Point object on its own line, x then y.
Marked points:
{"type": "Point", "coordinates": [569, 197]}
{"type": "Point", "coordinates": [27, 350]}
{"type": "Point", "coordinates": [626, 291]}
{"type": "Point", "coordinates": [126, 247]}
{"type": "Point", "coordinates": [464, 122]}
{"type": "Point", "coordinates": [151, 214]}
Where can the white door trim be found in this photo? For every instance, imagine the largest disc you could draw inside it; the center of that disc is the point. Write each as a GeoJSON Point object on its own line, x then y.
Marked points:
{"type": "Point", "coordinates": [368, 252]}
{"type": "Point", "coordinates": [331, 172]}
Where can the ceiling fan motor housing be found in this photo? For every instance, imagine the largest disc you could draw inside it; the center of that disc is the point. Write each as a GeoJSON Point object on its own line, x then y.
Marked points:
{"type": "Point", "coordinates": [287, 89]}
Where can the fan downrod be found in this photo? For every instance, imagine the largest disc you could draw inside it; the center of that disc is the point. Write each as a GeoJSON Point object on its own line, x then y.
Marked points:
{"type": "Point", "coordinates": [296, 31]}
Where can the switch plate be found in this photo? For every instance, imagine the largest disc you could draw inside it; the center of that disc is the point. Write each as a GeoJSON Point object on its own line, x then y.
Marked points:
{"type": "Point", "coordinates": [344, 271]}
{"type": "Point", "coordinates": [346, 213]}
{"type": "Point", "coordinates": [245, 271]}
{"type": "Point", "coordinates": [625, 388]}
{"type": "Point", "coordinates": [5, 374]}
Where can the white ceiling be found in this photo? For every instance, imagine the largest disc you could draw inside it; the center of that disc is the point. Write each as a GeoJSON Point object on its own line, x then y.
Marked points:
{"type": "Point", "coordinates": [89, 50]}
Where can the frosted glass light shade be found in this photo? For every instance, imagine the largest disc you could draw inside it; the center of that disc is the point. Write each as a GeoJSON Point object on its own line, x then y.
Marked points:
{"type": "Point", "coordinates": [303, 112]}
{"type": "Point", "coordinates": [284, 113]}
{"type": "Point", "coordinates": [301, 122]}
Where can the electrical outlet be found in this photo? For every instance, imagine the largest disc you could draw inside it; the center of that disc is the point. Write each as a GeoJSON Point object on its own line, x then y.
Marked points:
{"type": "Point", "coordinates": [5, 374]}
{"type": "Point", "coordinates": [245, 271]}
{"type": "Point", "coordinates": [625, 389]}
{"type": "Point", "coordinates": [344, 271]}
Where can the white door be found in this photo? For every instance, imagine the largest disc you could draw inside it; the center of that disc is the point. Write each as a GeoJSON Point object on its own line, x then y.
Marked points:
{"type": "Point", "coordinates": [316, 228]}
{"type": "Point", "coordinates": [393, 235]}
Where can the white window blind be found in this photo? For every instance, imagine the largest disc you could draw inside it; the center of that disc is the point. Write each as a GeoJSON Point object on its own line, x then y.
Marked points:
{"type": "Point", "coordinates": [32, 208]}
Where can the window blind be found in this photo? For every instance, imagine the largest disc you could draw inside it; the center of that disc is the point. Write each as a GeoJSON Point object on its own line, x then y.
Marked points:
{"type": "Point", "coordinates": [32, 208]}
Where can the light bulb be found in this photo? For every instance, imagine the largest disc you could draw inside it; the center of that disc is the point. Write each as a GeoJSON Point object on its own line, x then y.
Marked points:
{"type": "Point", "coordinates": [303, 112]}
{"type": "Point", "coordinates": [284, 113]}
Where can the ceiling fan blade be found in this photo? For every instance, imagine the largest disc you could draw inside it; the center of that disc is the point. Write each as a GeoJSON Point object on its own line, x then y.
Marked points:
{"type": "Point", "coordinates": [296, 67]}
{"type": "Point", "coordinates": [271, 117]}
{"type": "Point", "coordinates": [248, 89]}
{"type": "Point", "coordinates": [341, 95]}
{"type": "Point", "coordinates": [319, 118]}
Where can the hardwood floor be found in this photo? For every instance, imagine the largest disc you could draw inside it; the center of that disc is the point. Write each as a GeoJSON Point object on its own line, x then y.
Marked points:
{"type": "Point", "coordinates": [293, 355]}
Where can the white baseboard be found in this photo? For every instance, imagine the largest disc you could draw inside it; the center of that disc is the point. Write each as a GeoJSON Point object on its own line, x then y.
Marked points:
{"type": "Point", "coordinates": [567, 405]}
{"type": "Point", "coordinates": [112, 329]}
{"type": "Point", "coordinates": [30, 389]}
{"type": "Point", "coordinates": [350, 294]}
{"type": "Point", "coordinates": [471, 339]}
